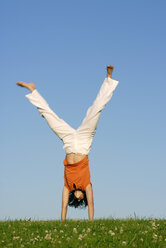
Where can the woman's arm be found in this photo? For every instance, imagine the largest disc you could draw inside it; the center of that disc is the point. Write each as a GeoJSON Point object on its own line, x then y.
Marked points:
{"type": "Point", "coordinates": [89, 195]}
{"type": "Point", "coordinates": [65, 200]}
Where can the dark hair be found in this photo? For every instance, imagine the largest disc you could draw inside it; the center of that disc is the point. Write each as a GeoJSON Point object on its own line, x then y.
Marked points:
{"type": "Point", "coordinates": [73, 201]}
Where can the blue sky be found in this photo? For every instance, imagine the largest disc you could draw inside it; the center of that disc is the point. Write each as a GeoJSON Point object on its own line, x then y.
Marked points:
{"type": "Point", "coordinates": [64, 48]}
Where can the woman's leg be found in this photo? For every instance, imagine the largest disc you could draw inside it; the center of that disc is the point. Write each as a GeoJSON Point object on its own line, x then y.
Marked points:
{"type": "Point", "coordinates": [59, 126]}
{"type": "Point", "coordinates": [89, 124]}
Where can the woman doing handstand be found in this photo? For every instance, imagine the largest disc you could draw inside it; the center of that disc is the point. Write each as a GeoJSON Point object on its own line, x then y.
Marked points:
{"type": "Point", "coordinates": [77, 190]}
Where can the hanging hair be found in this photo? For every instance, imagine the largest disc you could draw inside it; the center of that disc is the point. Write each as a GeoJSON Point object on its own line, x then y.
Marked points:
{"type": "Point", "coordinates": [73, 201]}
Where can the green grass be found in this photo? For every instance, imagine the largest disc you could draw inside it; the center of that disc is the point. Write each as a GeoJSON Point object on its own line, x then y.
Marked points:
{"type": "Point", "coordinates": [102, 233]}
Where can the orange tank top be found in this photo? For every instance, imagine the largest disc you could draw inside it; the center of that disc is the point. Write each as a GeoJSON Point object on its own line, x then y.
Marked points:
{"type": "Point", "coordinates": [77, 175]}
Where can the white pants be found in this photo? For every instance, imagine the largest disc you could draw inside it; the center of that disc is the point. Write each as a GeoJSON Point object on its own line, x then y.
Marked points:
{"type": "Point", "coordinates": [76, 140]}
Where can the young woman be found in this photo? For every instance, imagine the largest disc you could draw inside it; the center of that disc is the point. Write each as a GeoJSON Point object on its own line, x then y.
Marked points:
{"type": "Point", "coordinates": [77, 189]}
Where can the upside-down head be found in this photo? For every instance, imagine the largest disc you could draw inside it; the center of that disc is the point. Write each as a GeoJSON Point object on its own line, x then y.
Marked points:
{"type": "Point", "coordinates": [77, 198]}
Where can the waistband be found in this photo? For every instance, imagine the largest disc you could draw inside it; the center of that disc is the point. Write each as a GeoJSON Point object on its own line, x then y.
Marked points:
{"type": "Point", "coordinates": [81, 162]}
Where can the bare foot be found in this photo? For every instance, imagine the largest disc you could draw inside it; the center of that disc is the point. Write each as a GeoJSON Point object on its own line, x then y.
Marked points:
{"type": "Point", "coordinates": [109, 70]}
{"type": "Point", "coordinates": [30, 86]}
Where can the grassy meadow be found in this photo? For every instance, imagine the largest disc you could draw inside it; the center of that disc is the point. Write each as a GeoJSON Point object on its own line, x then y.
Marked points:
{"type": "Point", "coordinates": [113, 233]}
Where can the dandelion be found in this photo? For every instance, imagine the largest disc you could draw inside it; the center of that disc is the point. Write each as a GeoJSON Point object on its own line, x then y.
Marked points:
{"type": "Point", "coordinates": [75, 230]}
{"type": "Point", "coordinates": [124, 243]}
{"type": "Point", "coordinates": [48, 236]}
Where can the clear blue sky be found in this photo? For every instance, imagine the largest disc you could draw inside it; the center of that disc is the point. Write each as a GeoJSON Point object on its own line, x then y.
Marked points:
{"type": "Point", "coordinates": [64, 47]}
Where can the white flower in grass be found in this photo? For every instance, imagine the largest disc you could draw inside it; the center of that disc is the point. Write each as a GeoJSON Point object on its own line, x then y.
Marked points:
{"type": "Point", "coordinates": [16, 238]}
{"type": "Point", "coordinates": [75, 230]}
{"type": "Point", "coordinates": [55, 230]}
{"type": "Point", "coordinates": [83, 230]}
{"type": "Point", "coordinates": [48, 236]}
{"type": "Point", "coordinates": [111, 233]}
{"type": "Point", "coordinates": [68, 238]}
{"type": "Point", "coordinates": [116, 228]}
{"type": "Point", "coordinates": [124, 243]}
{"type": "Point", "coordinates": [59, 242]}
{"type": "Point", "coordinates": [154, 236]}
{"type": "Point", "coordinates": [121, 230]}
{"type": "Point", "coordinates": [160, 238]}
{"type": "Point", "coordinates": [94, 234]}
{"type": "Point", "coordinates": [46, 231]}
{"type": "Point", "coordinates": [141, 239]}
{"type": "Point", "coordinates": [61, 231]}
{"type": "Point", "coordinates": [88, 230]}
{"type": "Point", "coordinates": [80, 237]}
